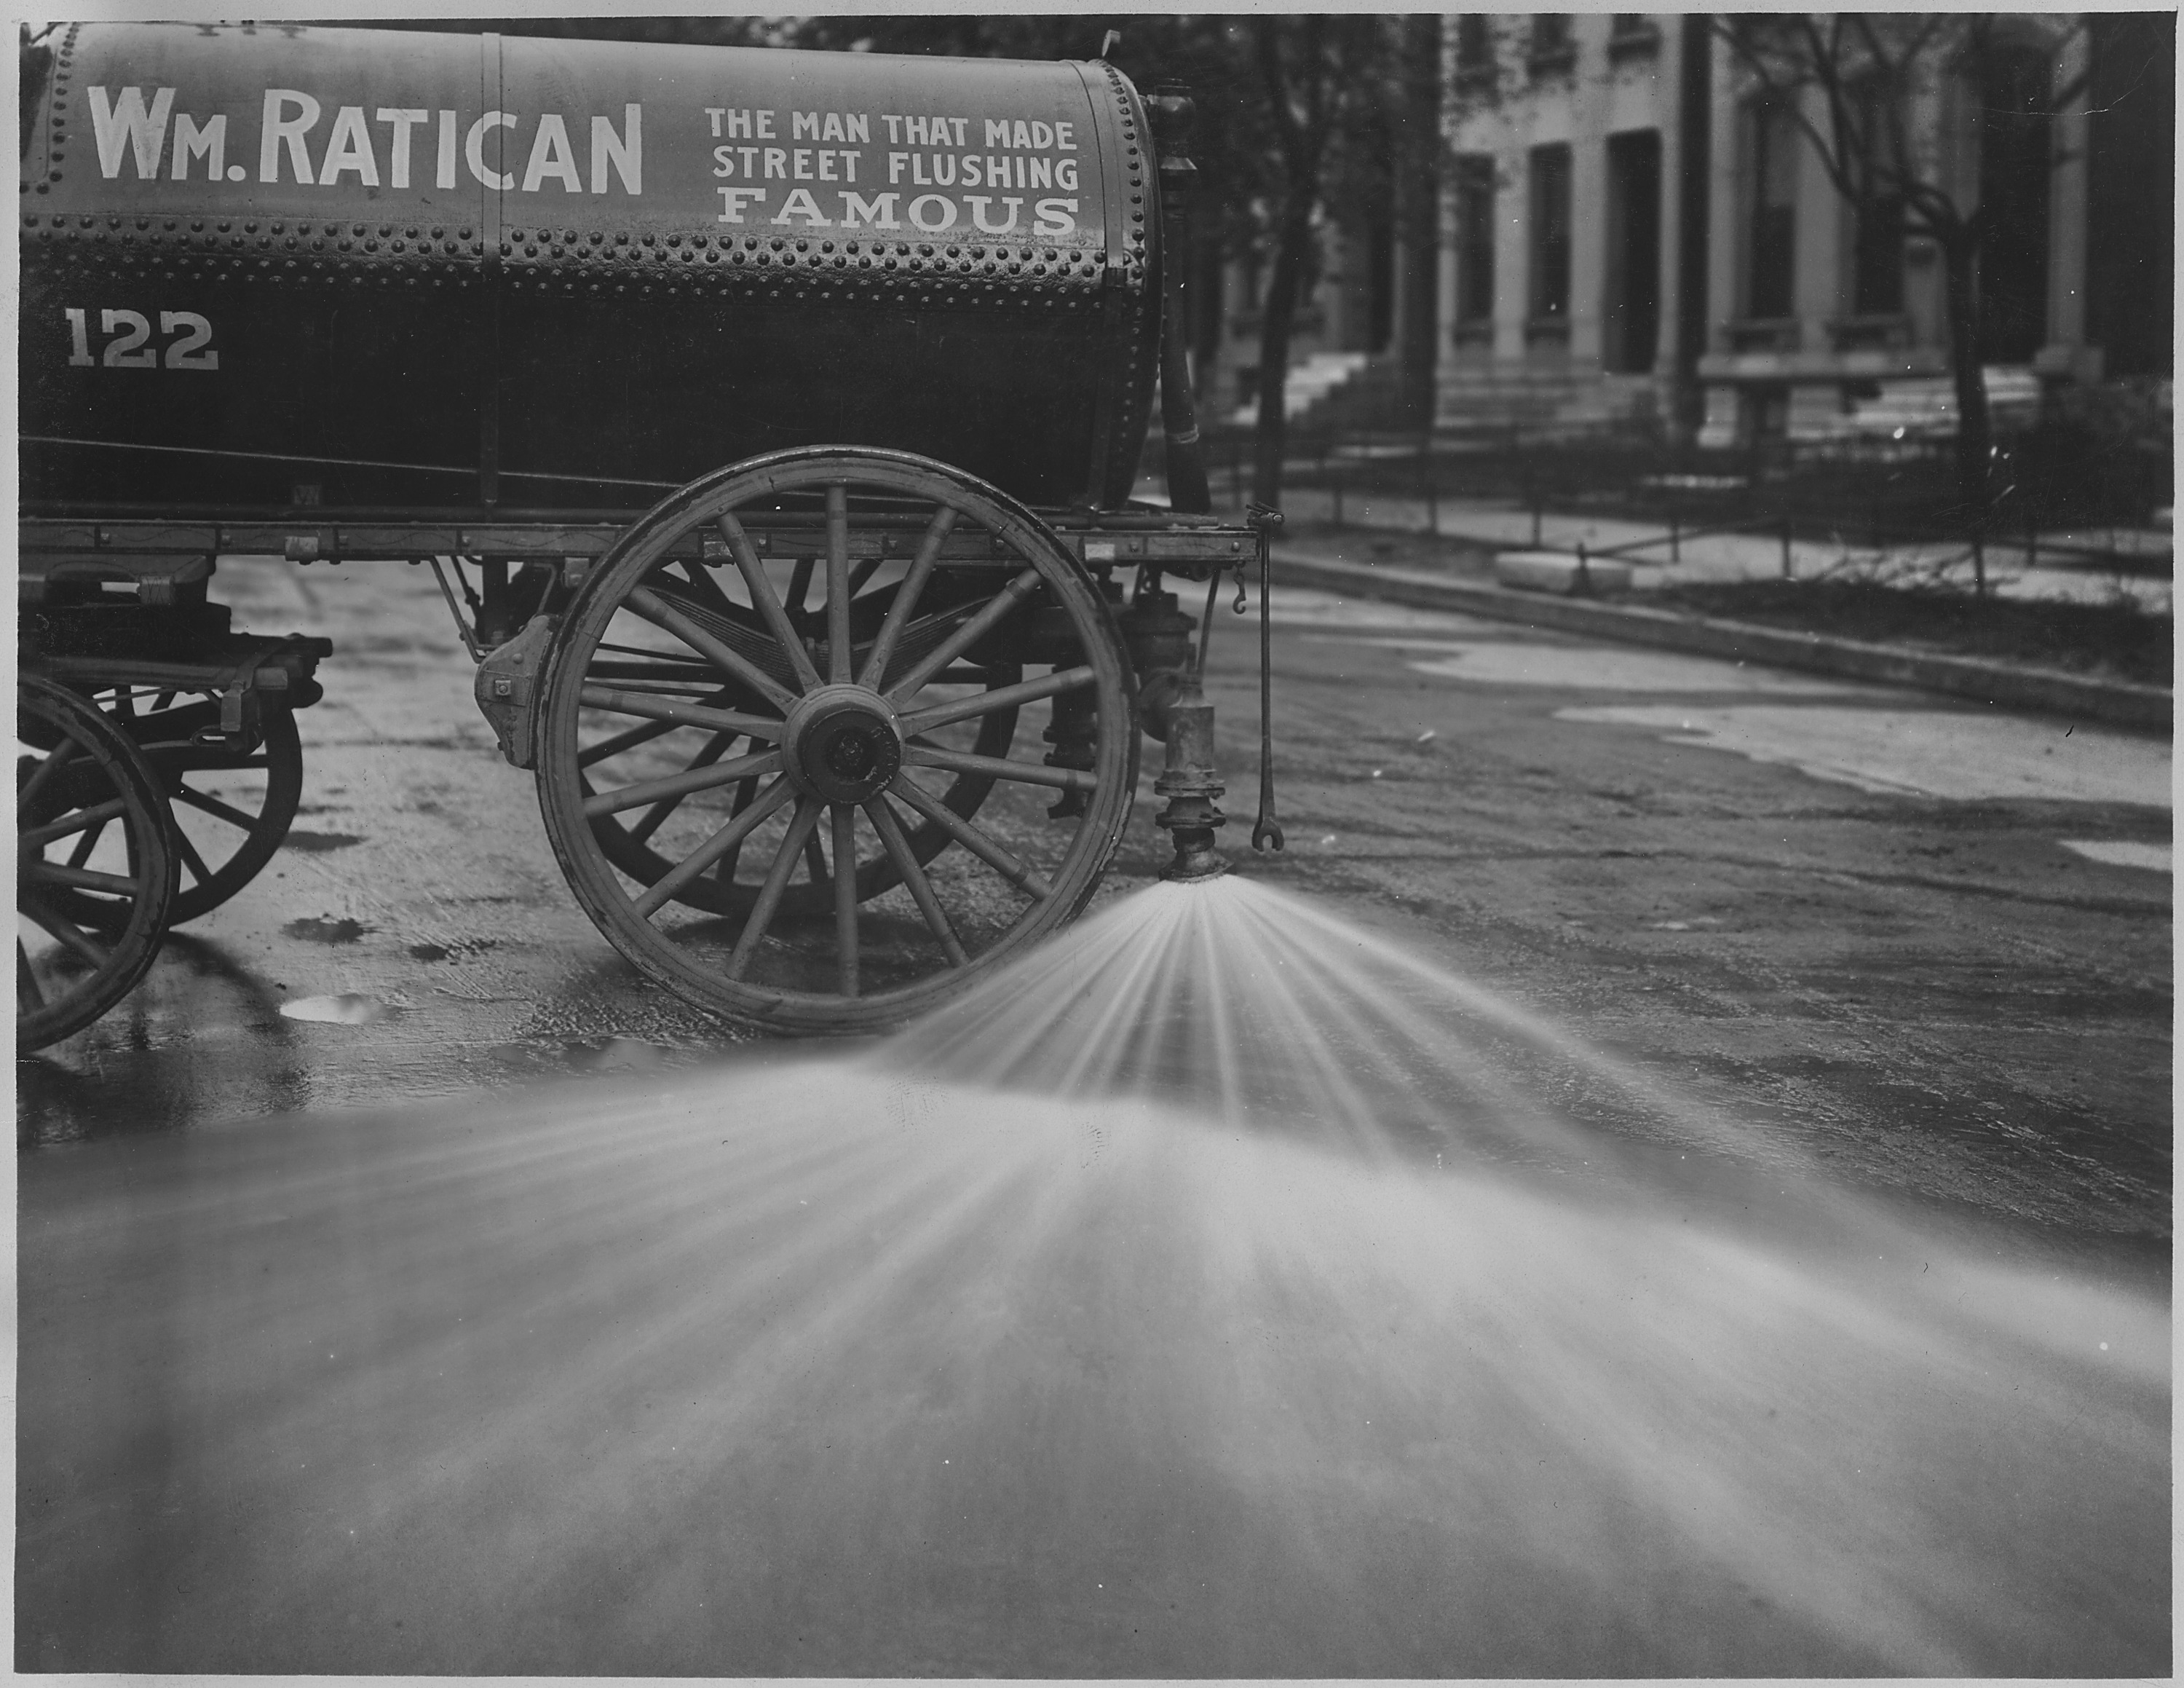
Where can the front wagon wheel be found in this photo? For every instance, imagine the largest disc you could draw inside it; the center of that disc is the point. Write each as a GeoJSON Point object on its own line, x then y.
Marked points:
{"type": "Point", "coordinates": [95, 868]}
{"type": "Point", "coordinates": [791, 753]}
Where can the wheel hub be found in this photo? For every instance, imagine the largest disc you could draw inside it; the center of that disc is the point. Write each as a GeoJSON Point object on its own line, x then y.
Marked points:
{"type": "Point", "coordinates": [842, 745]}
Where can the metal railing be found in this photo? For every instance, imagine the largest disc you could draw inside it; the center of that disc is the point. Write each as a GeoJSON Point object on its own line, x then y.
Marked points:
{"type": "Point", "coordinates": [1893, 496]}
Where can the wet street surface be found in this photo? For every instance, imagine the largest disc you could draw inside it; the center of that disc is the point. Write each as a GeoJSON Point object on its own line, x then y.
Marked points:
{"type": "Point", "coordinates": [407, 1285]}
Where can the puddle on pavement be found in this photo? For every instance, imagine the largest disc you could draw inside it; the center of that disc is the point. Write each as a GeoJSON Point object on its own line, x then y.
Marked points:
{"type": "Point", "coordinates": [2122, 853]}
{"type": "Point", "coordinates": [320, 843]}
{"type": "Point", "coordinates": [1593, 669]}
{"type": "Point", "coordinates": [346, 1009]}
{"type": "Point", "coordinates": [1298, 606]}
{"type": "Point", "coordinates": [322, 931]}
{"type": "Point", "coordinates": [1933, 753]}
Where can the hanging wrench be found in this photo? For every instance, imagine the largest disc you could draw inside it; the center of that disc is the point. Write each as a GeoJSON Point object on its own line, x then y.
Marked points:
{"type": "Point", "coordinates": [1264, 520]}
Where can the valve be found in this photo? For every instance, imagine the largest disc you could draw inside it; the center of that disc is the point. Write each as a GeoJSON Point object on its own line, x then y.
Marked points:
{"type": "Point", "coordinates": [1191, 782]}
{"type": "Point", "coordinates": [1157, 634]}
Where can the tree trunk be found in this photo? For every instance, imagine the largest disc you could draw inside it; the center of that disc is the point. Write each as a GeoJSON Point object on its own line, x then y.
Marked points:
{"type": "Point", "coordinates": [1418, 220]}
{"type": "Point", "coordinates": [1975, 436]}
{"type": "Point", "coordinates": [1291, 256]}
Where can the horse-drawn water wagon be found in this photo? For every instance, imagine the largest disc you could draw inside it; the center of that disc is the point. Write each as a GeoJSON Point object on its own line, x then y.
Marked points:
{"type": "Point", "coordinates": [769, 419]}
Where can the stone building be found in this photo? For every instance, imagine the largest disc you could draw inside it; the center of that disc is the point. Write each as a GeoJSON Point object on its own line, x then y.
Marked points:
{"type": "Point", "coordinates": [1566, 279]}
{"type": "Point", "coordinates": [1630, 232]}
{"type": "Point", "coordinates": [1823, 321]}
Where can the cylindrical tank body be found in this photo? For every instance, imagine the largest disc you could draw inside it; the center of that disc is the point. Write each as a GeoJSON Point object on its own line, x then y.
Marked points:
{"type": "Point", "coordinates": [274, 266]}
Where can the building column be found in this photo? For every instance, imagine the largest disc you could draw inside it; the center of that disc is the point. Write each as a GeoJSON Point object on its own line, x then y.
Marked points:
{"type": "Point", "coordinates": [1588, 280]}
{"type": "Point", "coordinates": [1817, 299]}
{"type": "Point", "coordinates": [1687, 149]}
{"type": "Point", "coordinates": [1724, 244]}
{"type": "Point", "coordinates": [2066, 356]}
{"type": "Point", "coordinates": [1512, 258]}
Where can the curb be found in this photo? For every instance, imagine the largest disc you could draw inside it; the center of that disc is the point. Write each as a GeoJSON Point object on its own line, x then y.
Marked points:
{"type": "Point", "coordinates": [2045, 691]}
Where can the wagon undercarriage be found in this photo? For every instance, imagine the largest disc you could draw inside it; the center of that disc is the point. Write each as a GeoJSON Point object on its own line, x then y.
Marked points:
{"type": "Point", "coordinates": [815, 739]}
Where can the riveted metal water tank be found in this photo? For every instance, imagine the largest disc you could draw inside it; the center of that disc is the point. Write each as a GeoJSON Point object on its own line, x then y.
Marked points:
{"type": "Point", "coordinates": [273, 265]}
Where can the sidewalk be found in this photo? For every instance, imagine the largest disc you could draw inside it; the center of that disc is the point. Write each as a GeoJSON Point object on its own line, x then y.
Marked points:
{"type": "Point", "coordinates": [1500, 525]}
{"type": "Point", "coordinates": [1466, 586]}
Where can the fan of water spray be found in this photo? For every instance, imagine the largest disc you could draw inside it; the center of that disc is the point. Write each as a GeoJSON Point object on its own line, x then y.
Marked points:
{"type": "Point", "coordinates": [1257, 1006]}
{"type": "Point", "coordinates": [1224, 1291]}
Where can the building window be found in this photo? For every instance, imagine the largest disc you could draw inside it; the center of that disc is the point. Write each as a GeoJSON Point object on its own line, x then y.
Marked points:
{"type": "Point", "coordinates": [2016, 162]}
{"type": "Point", "coordinates": [1631, 34]}
{"type": "Point", "coordinates": [1877, 236]}
{"type": "Point", "coordinates": [1474, 51]}
{"type": "Point", "coordinates": [1552, 46]}
{"type": "Point", "coordinates": [1550, 233]}
{"type": "Point", "coordinates": [1772, 276]}
{"type": "Point", "coordinates": [1474, 240]}
{"type": "Point", "coordinates": [1631, 321]}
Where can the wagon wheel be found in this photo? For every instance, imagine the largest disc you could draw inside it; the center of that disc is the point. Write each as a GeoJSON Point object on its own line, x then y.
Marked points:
{"type": "Point", "coordinates": [231, 807]}
{"type": "Point", "coordinates": [760, 743]}
{"type": "Point", "coordinates": [89, 823]}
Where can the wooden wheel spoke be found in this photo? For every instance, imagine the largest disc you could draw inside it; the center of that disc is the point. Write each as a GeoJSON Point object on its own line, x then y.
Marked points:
{"type": "Point", "coordinates": [1004, 602]}
{"type": "Point", "coordinates": [769, 606]}
{"type": "Point", "coordinates": [61, 755]}
{"type": "Point", "coordinates": [719, 847]}
{"type": "Point", "coordinates": [190, 859]}
{"type": "Point", "coordinates": [704, 586]}
{"type": "Point", "coordinates": [845, 895]}
{"type": "Point", "coordinates": [649, 653]}
{"type": "Point", "coordinates": [776, 882]}
{"type": "Point", "coordinates": [26, 980]}
{"type": "Point", "coordinates": [695, 685]}
{"type": "Point", "coordinates": [838, 585]}
{"type": "Point", "coordinates": [619, 742]}
{"type": "Point", "coordinates": [679, 784]}
{"type": "Point", "coordinates": [667, 661]}
{"type": "Point", "coordinates": [673, 711]}
{"type": "Point", "coordinates": [725, 870]}
{"type": "Point", "coordinates": [87, 844]}
{"type": "Point", "coordinates": [914, 880]}
{"type": "Point", "coordinates": [919, 755]}
{"type": "Point", "coordinates": [37, 837]}
{"type": "Point", "coordinates": [999, 697]}
{"type": "Point", "coordinates": [664, 615]}
{"type": "Point", "coordinates": [973, 837]}
{"type": "Point", "coordinates": [214, 806]}
{"type": "Point", "coordinates": [654, 818]}
{"type": "Point", "coordinates": [81, 879]}
{"type": "Point", "coordinates": [906, 596]}
{"type": "Point", "coordinates": [67, 931]}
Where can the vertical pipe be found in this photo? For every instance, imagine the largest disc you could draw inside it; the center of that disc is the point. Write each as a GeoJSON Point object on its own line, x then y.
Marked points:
{"type": "Point", "coordinates": [489, 226]}
{"type": "Point", "coordinates": [1171, 115]}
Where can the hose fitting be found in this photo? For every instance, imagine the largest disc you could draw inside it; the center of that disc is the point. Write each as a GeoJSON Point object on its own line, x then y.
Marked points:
{"type": "Point", "coordinates": [1191, 783]}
